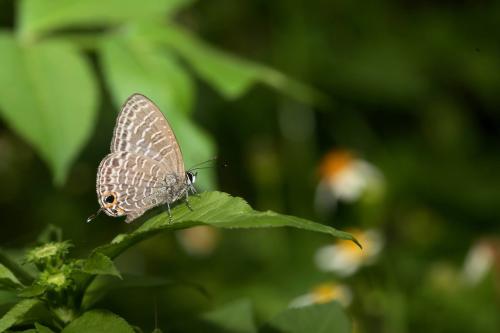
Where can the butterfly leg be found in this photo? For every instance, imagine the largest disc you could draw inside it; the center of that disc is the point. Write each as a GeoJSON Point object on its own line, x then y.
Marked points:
{"type": "Point", "coordinates": [193, 190]}
{"type": "Point", "coordinates": [169, 213]}
{"type": "Point", "coordinates": [187, 201]}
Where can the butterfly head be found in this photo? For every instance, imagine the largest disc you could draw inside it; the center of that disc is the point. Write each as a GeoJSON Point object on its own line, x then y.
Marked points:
{"type": "Point", "coordinates": [191, 177]}
{"type": "Point", "coordinates": [109, 204]}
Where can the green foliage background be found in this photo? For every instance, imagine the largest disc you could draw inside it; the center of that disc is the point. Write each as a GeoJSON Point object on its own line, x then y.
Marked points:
{"type": "Point", "coordinates": [270, 87]}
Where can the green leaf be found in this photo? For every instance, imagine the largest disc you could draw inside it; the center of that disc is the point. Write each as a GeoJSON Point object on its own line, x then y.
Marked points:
{"type": "Point", "coordinates": [235, 317]}
{"type": "Point", "coordinates": [7, 279]}
{"type": "Point", "coordinates": [42, 16]}
{"type": "Point", "coordinates": [19, 313]}
{"type": "Point", "coordinates": [49, 98]}
{"type": "Point", "coordinates": [12, 262]}
{"type": "Point", "coordinates": [42, 329]}
{"type": "Point", "coordinates": [323, 318]}
{"type": "Point", "coordinates": [230, 75]}
{"type": "Point", "coordinates": [7, 297]}
{"type": "Point", "coordinates": [132, 67]}
{"type": "Point", "coordinates": [217, 209]}
{"type": "Point", "coordinates": [99, 264]}
{"type": "Point", "coordinates": [32, 291]}
{"type": "Point", "coordinates": [98, 321]}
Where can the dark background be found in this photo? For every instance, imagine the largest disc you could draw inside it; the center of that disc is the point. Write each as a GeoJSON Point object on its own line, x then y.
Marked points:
{"type": "Point", "coordinates": [412, 87]}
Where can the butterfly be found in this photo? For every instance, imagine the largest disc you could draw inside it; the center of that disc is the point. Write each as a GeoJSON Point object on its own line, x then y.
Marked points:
{"type": "Point", "coordinates": [145, 167]}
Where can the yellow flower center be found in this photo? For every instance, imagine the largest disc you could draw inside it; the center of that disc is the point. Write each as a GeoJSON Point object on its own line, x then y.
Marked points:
{"type": "Point", "coordinates": [334, 163]}
{"type": "Point", "coordinates": [325, 293]}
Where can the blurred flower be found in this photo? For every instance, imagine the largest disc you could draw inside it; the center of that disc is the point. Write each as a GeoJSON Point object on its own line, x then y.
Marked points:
{"type": "Point", "coordinates": [344, 177]}
{"type": "Point", "coordinates": [481, 258]}
{"type": "Point", "coordinates": [324, 293]}
{"type": "Point", "coordinates": [199, 241]}
{"type": "Point", "coordinates": [345, 258]}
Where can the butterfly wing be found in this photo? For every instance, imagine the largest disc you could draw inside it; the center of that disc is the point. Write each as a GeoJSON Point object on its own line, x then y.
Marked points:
{"type": "Point", "coordinates": [129, 184]}
{"type": "Point", "coordinates": [142, 129]}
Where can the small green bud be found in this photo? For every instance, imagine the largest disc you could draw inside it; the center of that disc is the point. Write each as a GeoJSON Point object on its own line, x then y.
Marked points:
{"type": "Point", "coordinates": [49, 254]}
{"type": "Point", "coordinates": [57, 280]}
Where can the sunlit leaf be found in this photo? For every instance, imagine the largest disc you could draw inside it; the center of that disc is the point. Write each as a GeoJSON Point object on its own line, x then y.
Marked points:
{"type": "Point", "coordinates": [219, 210]}
{"type": "Point", "coordinates": [98, 321]}
{"type": "Point", "coordinates": [136, 68]}
{"type": "Point", "coordinates": [323, 318]}
{"type": "Point", "coordinates": [7, 279]}
{"type": "Point", "coordinates": [32, 291]}
{"type": "Point", "coordinates": [39, 16]}
{"type": "Point", "coordinates": [235, 317]}
{"type": "Point", "coordinates": [49, 98]}
{"type": "Point", "coordinates": [19, 313]}
{"type": "Point", "coordinates": [131, 66]}
{"type": "Point", "coordinates": [12, 261]}
{"type": "Point", "coordinates": [42, 329]}
{"type": "Point", "coordinates": [98, 264]}
{"type": "Point", "coordinates": [232, 76]}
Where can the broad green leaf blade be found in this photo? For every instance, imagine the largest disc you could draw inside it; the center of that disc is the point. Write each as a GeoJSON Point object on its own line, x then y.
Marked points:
{"type": "Point", "coordinates": [130, 68]}
{"type": "Point", "coordinates": [98, 321]}
{"type": "Point", "coordinates": [20, 313]}
{"type": "Point", "coordinates": [32, 291]}
{"type": "Point", "coordinates": [217, 209]}
{"type": "Point", "coordinates": [230, 75]}
{"type": "Point", "coordinates": [42, 329]}
{"type": "Point", "coordinates": [235, 317]}
{"type": "Point", "coordinates": [323, 318]}
{"type": "Point", "coordinates": [7, 297]}
{"type": "Point", "coordinates": [42, 16]}
{"type": "Point", "coordinates": [49, 98]}
{"type": "Point", "coordinates": [7, 279]}
{"type": "Point", "coordinates": [13, 263]}
{"type": "Point", "coordinates": [99, 264]}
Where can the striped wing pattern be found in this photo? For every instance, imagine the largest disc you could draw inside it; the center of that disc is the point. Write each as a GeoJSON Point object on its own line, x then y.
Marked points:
{"type": "Point", "coordinates": [141, 128]}
{"type": "Point", "coordinates": [145, 167]}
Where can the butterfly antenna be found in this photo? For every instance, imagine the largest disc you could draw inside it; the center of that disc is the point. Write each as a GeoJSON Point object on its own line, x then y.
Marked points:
{"type": "Point", "coordinates": [195, 167]}
{"type": "Point", "coordinates": [201, 168]}
{"type": "Point", "coordinates": [93, 216]}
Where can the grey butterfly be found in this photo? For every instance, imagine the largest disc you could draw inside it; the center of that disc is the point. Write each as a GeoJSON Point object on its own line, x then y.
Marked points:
{"type": "Point", "coordinates": [145, 167]}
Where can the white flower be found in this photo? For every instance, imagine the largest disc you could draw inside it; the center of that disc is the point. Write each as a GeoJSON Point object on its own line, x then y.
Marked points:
{"type": "Point", "coordinates": [346, 178]}
{"type": "Point", "coordinates": [345, 258]}
{"type": "Point", "coordinates": [480, 259]}
{"type": "Point", "coordinates": [324, 293]}
{"type": "Point", "coordinates": [198, 241]}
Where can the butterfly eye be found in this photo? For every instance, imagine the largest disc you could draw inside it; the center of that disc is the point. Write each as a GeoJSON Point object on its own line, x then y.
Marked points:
{"type": "Point", "coordinates": [110, 199]}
